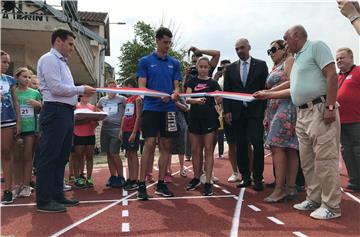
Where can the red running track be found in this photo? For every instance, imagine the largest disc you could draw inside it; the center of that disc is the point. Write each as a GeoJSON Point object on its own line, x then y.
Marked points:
{"type": "Point", "coordinates": [110, 212]}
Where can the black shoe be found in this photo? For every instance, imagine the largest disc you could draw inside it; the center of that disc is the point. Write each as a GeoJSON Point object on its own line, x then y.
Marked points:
{"type": "Point", "coordinates": [32, 184]}
{"type": "Point", "coordinates": [163, 190]}
{"type": "Point", "coordinates": [7, 198]}
{"type": "Point", "coordinates": [208, 189]}
{"type": "Point", "coordinates": [68, 202]}
{"type": "Point", "coordinates": [244, 183]}
{"type": "Point", "coordinates": [110, 181]}
{"type": "Point", "coordinates": [258, 185]}
{"type": "Point", "coordinates": [131, 185]}
{"type": "Point", "coordinates": [194, 183]}
{"type": "Point", "coordinates": [119, 182]}
{"type": "Point", "coordinates": [142, 195]}
{"type": "Point", "coordinates": [51, 207]}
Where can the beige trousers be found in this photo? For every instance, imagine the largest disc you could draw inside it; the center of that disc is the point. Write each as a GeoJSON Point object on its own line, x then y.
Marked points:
{"type": "Point", "coordinates": [319, 146]}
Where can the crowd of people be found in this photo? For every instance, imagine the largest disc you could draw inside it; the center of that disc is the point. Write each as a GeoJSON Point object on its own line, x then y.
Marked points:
{"type": "Point", "coordinates": [304, 112]}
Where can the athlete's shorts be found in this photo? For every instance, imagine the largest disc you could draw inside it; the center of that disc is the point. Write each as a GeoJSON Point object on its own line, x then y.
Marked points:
{"type": "Point", "coordinates": [154, 123]}
{"type": "Point", "coordinates": [203, 126]}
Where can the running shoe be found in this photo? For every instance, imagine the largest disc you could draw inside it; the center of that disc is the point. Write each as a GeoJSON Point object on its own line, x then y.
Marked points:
{"type": "Point", "coordinates": [25, 191]}
{"type": "Point", "coordinates": [110, 181]}
{"type": "Point", "coordinates": [142, 194]}
{"type": "Point", "coordinates": [162, 189]}
{"type": "Point", "coordinates": [80, 183]}
{"type": "Point", "coordinates": [7, 197]}
{"type": "Point", "coordinates": [194, 183]}
{"type": "Point", "coordinates": [208, 189]}
{"type": "Point", "coordinates": [90, 182]}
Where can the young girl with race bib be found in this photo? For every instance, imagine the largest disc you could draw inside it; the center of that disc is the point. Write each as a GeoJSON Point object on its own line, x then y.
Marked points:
{"type": "Point", "coordinates": [30, 104]}
{"type": "Point", "coordinates": [10, 114]}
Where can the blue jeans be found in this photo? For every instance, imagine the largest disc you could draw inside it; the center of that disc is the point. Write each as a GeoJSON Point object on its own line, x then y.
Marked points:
{"type": "Point", "coordinates": [57, 125]}
{"type": "Point", "coordinates": [350, 140]}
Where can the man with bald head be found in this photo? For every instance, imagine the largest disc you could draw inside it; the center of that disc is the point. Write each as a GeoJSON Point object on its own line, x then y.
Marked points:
{"type": "Point", "coordinates": [246, 75]}
{"type": "Point", "coordinates": [313, 89]}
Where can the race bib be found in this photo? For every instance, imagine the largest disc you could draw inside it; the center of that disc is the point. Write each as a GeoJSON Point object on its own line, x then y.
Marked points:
{"type": "Point", "coordinates": [26, 111]}
{"type": "Point", "coordinates": [4, 87]}
{"type": "Point", "coordinates": [111, 108]}
{"type": "Point", "coordinates": [129, 109]}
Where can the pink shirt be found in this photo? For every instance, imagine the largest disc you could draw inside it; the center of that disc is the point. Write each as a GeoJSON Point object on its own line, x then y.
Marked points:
{"type": "Point", "coordinates": [86, 129]}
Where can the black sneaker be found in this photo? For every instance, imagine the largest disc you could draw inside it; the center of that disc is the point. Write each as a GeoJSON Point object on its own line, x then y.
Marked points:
{"type": "Point", "coordinates": [51, 207]}
{"type": "Point", "coordinates": [208, 189]}
{"type": "Point", "coordinates": [194, 183]}
{"type": "Point", "coordinates": [7, 197]}
{"type": "Point", "coordinates": [68, 202]}
{"type": "Point", "coordinates": [118, 183]}
{"type": "Point", "coordinates": [142, 195]}
{"type": "Point", "coordinates": [110, 181]}
{"type": "Point", "coordinates": [131, 185]}
{"type": "Point", "coordinates": [162, 189]}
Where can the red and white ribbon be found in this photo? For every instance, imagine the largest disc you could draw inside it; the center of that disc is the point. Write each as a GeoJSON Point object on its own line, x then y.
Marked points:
{"type": "Point", "coordinates": [132, 91]}
{"type": "Point", "coordinates": [153, 93]}
{"type": "Point", "coordinates": [226, 95]}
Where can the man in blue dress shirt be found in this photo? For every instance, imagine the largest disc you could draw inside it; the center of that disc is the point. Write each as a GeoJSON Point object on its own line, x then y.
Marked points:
{"type": "Point", "coordinates": [60, 95]}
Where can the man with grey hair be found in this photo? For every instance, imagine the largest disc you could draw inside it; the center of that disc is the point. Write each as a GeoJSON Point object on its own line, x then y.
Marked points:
{"type": "Point", "coordinates": [313, 89]}
{"type": "Point", "coordinates": [349, 99]}
{"type": "Point", "coordinates": [247, 75]}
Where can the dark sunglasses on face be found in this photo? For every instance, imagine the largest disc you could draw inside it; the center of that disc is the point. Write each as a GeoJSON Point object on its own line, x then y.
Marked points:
{"type": "Point", "coordinates": [272, 50]}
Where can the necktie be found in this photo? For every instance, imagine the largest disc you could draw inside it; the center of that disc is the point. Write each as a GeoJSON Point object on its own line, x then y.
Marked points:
{"type": "Point", "coordinates": [244, 73]}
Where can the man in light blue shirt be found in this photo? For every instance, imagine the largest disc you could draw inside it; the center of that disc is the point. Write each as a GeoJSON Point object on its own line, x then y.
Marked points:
{"type": "Point", "coordinates": [60, 95]}
{"type": "Point", "coordinates": [313, 89]}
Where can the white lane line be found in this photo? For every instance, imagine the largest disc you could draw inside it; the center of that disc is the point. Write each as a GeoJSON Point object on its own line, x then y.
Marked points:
{"type": "Point", "coordinates": [69, 227]}
{"type": "Point", "coordinates": [255, 208]}
{"type": "Point", "coordinates": [115, 200]}
{"type": "Point", "coordinates": [236, 218]}
{"type": "Point", "coordinates": [275, 220]}
{"type": "Point", "coordinates": [125, 193]}
{"type": "Point", "coordinates": [156, 168]}
{"type": "Point", "coordinates": [124, 173]}
{"type": "Point", "coordinates": [216, 186]}
{"type": "Point", "coordinates": [298, 233]}
{"type": "Point", "coordinates": [225, 191]}
{"type": "Point", "coordinates": [125, 227]}
{"type": "Point", "coordinates": [189, 197]}
{"type": "Point", "coordinates": [236, 197]}
{"type": "Point", "coordinates": [125, 202]}
{"type": "Point", "coordinates": [351, 196]}
{"type": "Point", "coordinates": [125, 213]}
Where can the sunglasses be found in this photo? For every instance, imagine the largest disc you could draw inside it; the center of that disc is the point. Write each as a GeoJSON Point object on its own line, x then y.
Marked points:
{"type": "Point", "coordinates": [272, 50]}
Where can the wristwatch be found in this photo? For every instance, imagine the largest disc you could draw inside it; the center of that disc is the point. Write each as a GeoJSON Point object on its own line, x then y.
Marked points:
{"type": "Point", "coordinates": [354, 18]}
{"type": "Point", "coordinates": [330, 107]}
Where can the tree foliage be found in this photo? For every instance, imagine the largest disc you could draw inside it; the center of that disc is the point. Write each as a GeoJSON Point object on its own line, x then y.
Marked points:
{"type": "Point", "coordinates": [142, 44]}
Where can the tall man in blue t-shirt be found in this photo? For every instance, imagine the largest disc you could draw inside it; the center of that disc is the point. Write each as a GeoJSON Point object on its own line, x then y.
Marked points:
{"type": "Point", "coordinates": [158, 71]}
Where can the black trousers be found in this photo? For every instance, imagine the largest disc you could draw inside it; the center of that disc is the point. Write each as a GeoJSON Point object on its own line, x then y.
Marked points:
{"type": "Point", "coordinates": [249, 130]}
{"type": "Point", "coordinates": [57, 125]}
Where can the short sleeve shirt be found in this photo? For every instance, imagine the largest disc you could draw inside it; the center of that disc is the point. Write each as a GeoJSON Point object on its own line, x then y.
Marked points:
{"type": "Point", "coordinates": [160, 75]}
{"type": "Point", "coordinates": [208, 109]}
{"type": "Point", "coordinates": [7, 105]}
{"type": "Point", "coordinates": [27, 112]}
{"type": "Point", "coordinates": [115, 108]}
{"type": "Point", "coordinates": [307, 82]}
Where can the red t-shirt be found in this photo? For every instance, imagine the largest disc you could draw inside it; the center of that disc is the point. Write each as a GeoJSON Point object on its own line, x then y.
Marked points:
{"type": "Point", "coordinates": [86, 129]}
{"type": "Point", "coordinates": [349, 96]}
{"type": "Point", "coordinates": [130, 114]}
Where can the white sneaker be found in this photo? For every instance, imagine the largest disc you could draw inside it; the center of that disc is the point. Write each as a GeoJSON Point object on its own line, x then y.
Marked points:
{"type": "Point", "coordinates": [233, 178]}
{"type": "Point", "coordinates": [16, 190]}
{"type": "Point", "coordinates": [323, 213]}
{"type": "Point", "coordinates": [306, 206]}
{"type": "Point", "coordinates": [66, 188]}
{"type": "Point", "coordinates": [203, 179]}
{"type": "Point", "coordinates": [25, 191]}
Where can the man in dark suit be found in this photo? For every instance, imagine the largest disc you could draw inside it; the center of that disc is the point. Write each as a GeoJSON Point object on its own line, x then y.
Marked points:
{"type": "Point", "coordinates": [247, 75]}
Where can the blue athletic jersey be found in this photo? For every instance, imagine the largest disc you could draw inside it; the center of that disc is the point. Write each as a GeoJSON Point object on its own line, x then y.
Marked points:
{"type": "Point", "coordinates": [7, 106]}
{"type": "Point", "coordinates": [160, 75]}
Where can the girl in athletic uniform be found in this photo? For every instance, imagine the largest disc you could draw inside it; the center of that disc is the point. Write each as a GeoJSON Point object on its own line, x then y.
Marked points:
{"type": "Point", "coordinates": [203, 124]}
{"type": "Point", "coordinates": [10, 114]}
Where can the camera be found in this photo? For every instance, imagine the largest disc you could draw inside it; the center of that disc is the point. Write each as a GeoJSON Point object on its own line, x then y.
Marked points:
{"type": "Point", "coordinates": [220, 69]}
{"type": "Point", "coordinates": [193, 70]}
